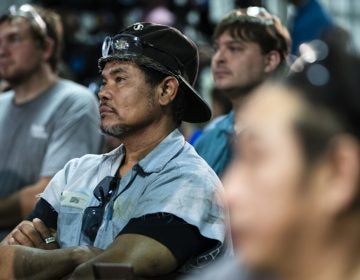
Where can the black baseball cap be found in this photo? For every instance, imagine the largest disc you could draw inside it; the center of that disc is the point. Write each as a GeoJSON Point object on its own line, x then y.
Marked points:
{"type": "Point", "coordinates": [166, 50]}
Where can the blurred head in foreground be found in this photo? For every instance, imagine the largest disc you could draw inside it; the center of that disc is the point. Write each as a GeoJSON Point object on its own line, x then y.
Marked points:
{"type": "Point", "coordinates": [293, 188]}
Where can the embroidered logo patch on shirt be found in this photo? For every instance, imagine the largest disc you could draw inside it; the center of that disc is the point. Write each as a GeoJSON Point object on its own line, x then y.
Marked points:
{"type": "Point", "coordinates": [38, 131]}
{"type": "Point", "coordinates": [74, 199]}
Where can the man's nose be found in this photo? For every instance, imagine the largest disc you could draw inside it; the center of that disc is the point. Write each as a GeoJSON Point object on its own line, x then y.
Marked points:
{"type": "Point", "coordinates": [218, 56]}
{"type": "Point", "coordinates": [104, 93]}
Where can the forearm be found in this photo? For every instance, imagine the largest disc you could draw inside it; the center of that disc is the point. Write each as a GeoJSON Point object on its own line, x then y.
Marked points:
{"type": "Point", "coordinates": [148, 257]}
{"type": "Point", "coordinates": [30, 263]}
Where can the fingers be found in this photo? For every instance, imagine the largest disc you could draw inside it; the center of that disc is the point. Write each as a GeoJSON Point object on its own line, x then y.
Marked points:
{"type": "Point", "coordinates": [26, 234]}
{"type": "Point", "coordinates": [41, 228]}
{"type": "Point", "coordinates": [46, 234]}
{"type": "Point", "coordinates": [6, 240]}
{"type": "Point", "coordinates": [32, 234]}
{"type": "Point", "coordinates": [12, 241]}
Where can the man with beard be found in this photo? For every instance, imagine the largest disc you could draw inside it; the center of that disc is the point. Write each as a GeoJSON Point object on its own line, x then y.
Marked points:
{"type": "Point", "coordinates": [150, 202]}
{"type": "Point", "coordinates": [44, 121]}
{"type": "Point", "coordinates": [250, 45]}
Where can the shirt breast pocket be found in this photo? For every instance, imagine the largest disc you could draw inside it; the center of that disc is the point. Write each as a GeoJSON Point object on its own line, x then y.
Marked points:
{"type": "Point", "coordinates": [69, 226]}
{"type": "Point", "coordinates": [72, 207]}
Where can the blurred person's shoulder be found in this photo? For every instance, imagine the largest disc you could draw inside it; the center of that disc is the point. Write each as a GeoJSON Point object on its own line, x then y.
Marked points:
{"type": "Point", "coordinates": [6, 102]}
{"type": "Point", "coordinates": [72, 89]}
{"type": "Point", "coordinates": [73, 96]}
{"type": "Point", "coordinates": [225, 268]}
{"type": "Point", "coordinates": [229, 268]}
{"type": "Point", "coordinates": [6, 96]}
{"type": "Point", "coordinates": [220, 122]}
{"type": "Point", "coordinates": [222, 125]}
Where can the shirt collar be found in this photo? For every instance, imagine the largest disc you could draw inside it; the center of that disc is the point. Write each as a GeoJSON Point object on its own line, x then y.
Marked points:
{"type": "Point", "coordinates": [168, 148]}
{"type": "Point", "coordinates": [116, 152]}
{"type": "Point", "coordinates": [227, 124]}
{"type": "Point", "coordinates": [159, 156]}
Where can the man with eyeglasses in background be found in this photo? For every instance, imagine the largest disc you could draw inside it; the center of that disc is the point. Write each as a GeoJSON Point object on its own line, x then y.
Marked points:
{"type": "Point", "coordinates": [44, 120]}
{"type": "Point", "coordinates": [250, 45]}
{"type": "Point", "coordinates": [152, 202]}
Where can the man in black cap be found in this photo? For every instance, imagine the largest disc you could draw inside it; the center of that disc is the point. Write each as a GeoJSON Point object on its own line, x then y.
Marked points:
{"type": "Point", "coordinates": [150, 202]}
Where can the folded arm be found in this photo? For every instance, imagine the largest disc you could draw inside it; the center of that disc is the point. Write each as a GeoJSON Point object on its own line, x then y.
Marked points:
{"type": "Point", "coordinates": [147, 256]}
{"type": "Point", "coordinates": [31, 263]}
{"type": "Point", "coordinates": [154, 245]}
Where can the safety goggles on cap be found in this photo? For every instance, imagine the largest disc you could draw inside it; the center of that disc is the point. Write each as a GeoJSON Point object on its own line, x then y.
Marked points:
{"type": "Point", "coordinates": [29, 12]}
{"type": "Point", "coordinates": [130, 46]}
{"type": "Point", "coordinates": [124, 44]}
{"type": "Point", "coordinates": [163, 49]}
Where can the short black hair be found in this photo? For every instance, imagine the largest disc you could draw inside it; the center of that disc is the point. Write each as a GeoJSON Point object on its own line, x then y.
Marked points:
{"type": "Point", "coordinates": [330, 85]}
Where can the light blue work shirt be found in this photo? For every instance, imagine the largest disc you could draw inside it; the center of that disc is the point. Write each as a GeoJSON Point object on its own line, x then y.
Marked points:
{"type": "Point", "coordinates": [172, 178]}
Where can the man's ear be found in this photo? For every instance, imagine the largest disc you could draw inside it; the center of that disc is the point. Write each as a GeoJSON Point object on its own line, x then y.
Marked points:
{"type": "Point", "coordinates": [49, 48]}
{"type": "Point", "coordinates": [272, 60]}
{"type": "Point", "coordinates": [168, 89]}
{"type": "Point", "coordinates": [343, 176]}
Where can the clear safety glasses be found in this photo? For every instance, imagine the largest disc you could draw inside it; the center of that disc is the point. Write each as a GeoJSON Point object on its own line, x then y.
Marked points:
{"type": "Point", "coordinates": [258, 14]}
{"type": "Point", "coordinates": [127, 45]}
{"type": "Point", "coordinates": [29, 12]}
{"type": "Point", "coordinates": [124, 44]}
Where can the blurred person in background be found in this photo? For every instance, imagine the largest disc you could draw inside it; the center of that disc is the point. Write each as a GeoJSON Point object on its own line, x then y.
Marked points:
{"type": "Point", "coordinates": [308, 23]}
{"type": "Point", "coordinates": [4, 85]}
{"type": "Point", "coordinates": [151, 202]}
{"type": "Point", "coordinates": [250, 45]}
{"type": "Point", "coordinates": [44, 120]}
{"type": "Point", "coordinates": [220, 105]}
{"type": "Point", "coordinates": [293, 188]}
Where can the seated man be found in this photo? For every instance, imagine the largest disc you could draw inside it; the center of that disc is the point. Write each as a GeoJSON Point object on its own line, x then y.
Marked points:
{"type": "Point", "coordinates": [150, 202]}
{"type": "Point", "coordinates": [45, 120]}
{"type": "Point", "coordinates": [250, 46]}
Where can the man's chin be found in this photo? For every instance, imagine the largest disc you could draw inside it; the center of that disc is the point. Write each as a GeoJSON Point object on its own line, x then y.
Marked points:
{"type": "Point", "coordinates": [118, 131]}
{"type": "Point", "coordinates": [238, 91]}
{"type": "Point", "coordinates": [223, 86]}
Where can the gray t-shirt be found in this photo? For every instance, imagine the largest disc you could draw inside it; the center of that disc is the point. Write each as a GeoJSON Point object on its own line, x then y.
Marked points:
{"type": "Point", "coordinates": [37, 138]}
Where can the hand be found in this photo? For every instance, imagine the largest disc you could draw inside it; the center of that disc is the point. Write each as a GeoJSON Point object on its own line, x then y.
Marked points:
{"type": "Point", "coordinates": [83, 254]}
{"type": "Point", "coordinates": [84, 257]}
{"type": "Point", "coordinates": [32, 234]}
